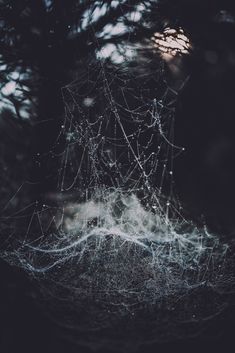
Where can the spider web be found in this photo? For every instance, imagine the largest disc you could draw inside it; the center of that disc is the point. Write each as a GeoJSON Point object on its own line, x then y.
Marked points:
{"type": "Point", "coordinates": [115, 136]}
{"type": "Point", "coordinates": [120, 248]}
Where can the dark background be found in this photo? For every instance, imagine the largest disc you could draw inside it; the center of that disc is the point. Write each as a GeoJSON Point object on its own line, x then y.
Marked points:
{"type": "Point", "coordinates": [36, 39]}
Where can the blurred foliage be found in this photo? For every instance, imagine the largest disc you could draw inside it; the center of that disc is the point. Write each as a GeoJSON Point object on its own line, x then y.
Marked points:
{"type": "Point", "coordinates": [45, 40]}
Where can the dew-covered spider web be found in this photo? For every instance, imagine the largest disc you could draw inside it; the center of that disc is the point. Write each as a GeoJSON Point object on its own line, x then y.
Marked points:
{"type": "Point", "coordinates": [119, 248]}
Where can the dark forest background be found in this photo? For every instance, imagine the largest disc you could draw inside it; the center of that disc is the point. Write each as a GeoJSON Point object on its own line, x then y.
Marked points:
{"type": "Point", "coordinates": [45, 41]}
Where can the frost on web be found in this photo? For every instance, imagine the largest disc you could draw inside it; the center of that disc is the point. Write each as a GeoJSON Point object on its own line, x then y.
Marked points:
{"type": "Point", "coordinates": [120, 250]}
